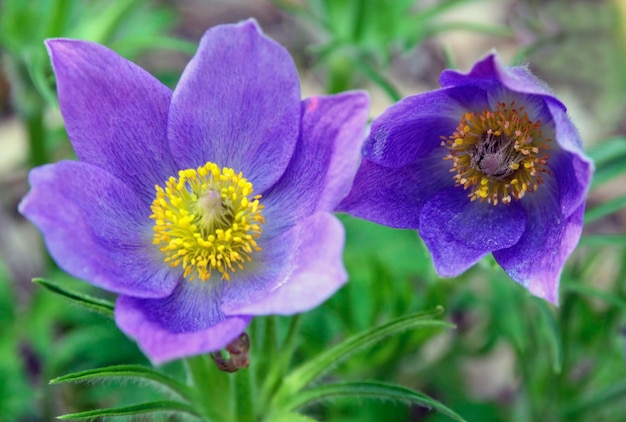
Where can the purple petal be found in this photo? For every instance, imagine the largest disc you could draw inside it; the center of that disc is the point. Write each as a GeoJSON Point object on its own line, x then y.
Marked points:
{"type": "Point", "coordinates": [161, 345]}
{"type": "Point", "coordinates": [192, 306]}
{"type": "Point", "coordinates": [571, 168]}
{"type": "Point", "coordinates": [270, 267]}
{"type": "Point", "coordinates": [238, 105]}
{"type": "Point", "coordinates": [459, 232]}
{"type": "Point", "coordinates": [115, 113]}
{"type": "Point", "coordinates": [395, 196]}
{"type": "Point", "coordinates": [341, 119]}
{"type": "Point", "coordinates": [411, 128]}
{"type": "Point", "coordinates": [488, 73]}
{"type": "Point", "coordinates": [318, 272]}
{"type": "Point", "coordinates": [573, 175]}
{"type": "Point", "coordinates": [325, 160]}
{"type": "Point", "coordinates": [97, 229]}
{"type": "Point", "coordinates": [536, 261]}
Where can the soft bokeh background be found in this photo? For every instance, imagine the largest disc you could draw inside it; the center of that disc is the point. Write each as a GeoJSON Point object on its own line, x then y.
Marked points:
{"type": "Point", "coordinates": [512, 357]}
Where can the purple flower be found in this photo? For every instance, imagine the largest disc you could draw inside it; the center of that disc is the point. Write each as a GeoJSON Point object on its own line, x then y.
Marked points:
{"type": "Point", "coordinates": [488, 163]}
{"type": "Point", "coordinates": [204, 206]}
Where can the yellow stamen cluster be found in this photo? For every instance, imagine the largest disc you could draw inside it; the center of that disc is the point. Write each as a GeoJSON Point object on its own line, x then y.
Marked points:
{"type": "Point", "coordinates": [499, 155]}
{"type": "Point", "coordinates": [205, 220]}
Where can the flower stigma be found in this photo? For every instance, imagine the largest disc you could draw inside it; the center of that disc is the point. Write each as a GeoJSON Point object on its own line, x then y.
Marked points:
{"type": "Point", "coordinates": [499, 155]}
{"type": "Point", "coordinates": [205, 220]}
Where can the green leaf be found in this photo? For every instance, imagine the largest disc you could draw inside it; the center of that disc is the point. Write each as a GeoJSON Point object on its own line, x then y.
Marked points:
{"type": "Point", "coordinates": [102, 26]}
{"type": "Point", "coordinates": [309, 371]}
{"type": "Point", "coordinates": [372, 389]}
{"type": "Point", "coordinates": [378, 78]}
{"type": "Point", "coordinates": [129, 46]}
{"type": "Point", "coordinates": [137, 409]}
{"type": "Point", "coordinates": [135, 372]}
{"type": "Point", "coordinates": [590, 291]}
{"type": "Point", "coordinates": [608, 150]}
{"type": "Point", "coordinates": [550, 331]}
{"type": "Point", "coordinates": [209, 381]}
{"type": "Point", "coordinates": [610, 160]}
{"type": "Point", "coordinates": [603, 240]}
{"type": "Point", "coordinates": [291, 417]}
{"type": "Point", "coordinates": [607, 172]}
{"type": "Point", "coordinates": [605, 209]}
{"type": "Point", "coordinates": [274, 369]}
{"type": "Point", "coordinates": [598, 401]}
{"type": "Point", "coordinates": [91, 303]}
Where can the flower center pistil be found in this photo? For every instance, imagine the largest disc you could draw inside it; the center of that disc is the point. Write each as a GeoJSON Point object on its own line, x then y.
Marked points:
{"type": "Point", "coordinates": [499, 155]}
{"type": "Point", "coordinates": [207, 220]}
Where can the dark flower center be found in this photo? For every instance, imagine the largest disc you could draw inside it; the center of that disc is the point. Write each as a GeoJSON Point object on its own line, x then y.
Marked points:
{"type": "Point", "coordinates": [499, 155]}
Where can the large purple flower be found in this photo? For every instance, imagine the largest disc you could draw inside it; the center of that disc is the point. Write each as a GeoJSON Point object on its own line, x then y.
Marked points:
{"type": "Point", "coordinates": [204, 206]}
{"type": "Point", "coordinates": [488, 163]}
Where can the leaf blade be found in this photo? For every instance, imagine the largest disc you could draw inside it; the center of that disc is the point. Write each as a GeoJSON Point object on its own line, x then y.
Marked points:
{"type": "Point", "coordinates": [307, 372]}
{"type": "Point", "coordinates": [137, 409]}
{"type": "Point", "coordinates": [372, 389]}
{"type": "Point", "coordinates": [101, 306]}
{"type": "Point", "coordinates": [141, 373]}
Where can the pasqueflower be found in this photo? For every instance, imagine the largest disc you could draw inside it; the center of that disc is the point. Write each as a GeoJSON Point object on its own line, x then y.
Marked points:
{"type": "Point", "coordinates": [204, 206]}
{"type": "Point", "coordinates": [489, 163]}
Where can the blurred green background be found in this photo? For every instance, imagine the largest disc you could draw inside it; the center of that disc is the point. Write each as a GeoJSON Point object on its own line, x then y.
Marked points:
{"type": "Point", "coordinates": [512, 357]}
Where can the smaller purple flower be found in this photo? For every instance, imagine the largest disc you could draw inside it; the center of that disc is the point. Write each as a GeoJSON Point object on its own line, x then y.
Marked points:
{"type": "Point", "coordinates": [488, 163]}
{"type": "Point", "coordinates": [204, 206]}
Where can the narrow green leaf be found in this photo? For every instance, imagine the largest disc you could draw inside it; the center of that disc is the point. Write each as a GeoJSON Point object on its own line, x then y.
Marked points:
{"type": "Point", "coordinates": [371, 389]}
{"type": "Point", "coordinates": [603, 240]}
{"type": "Point", "coordinates": [609, 157]}
{"type": "Point", "coordinates": [137, 372]}
{"type": "Point", "coordinates": [378, 78]}
{"type": "Point", "coordinates": [137, 409]}
{"type": "Point", "coordinates": [291, 7]}
{"type": "Point", "coordinates": [587, 290]}
{"type": "Point", "coordinates": [56, 20]}
{"type": "Point", "coordinates": [101, 29]}
{"type": "Point", "coordinates": [439, 8]}
{"type": "Point", "coordinates": [244, 397]}
{"type": "Point", "coordinates": [38, 75]}
{"type": "Point", "coordinates": [550, 331]}
{"type": "Point", "coordinates": [209, 381]}
{"type": "Point", "coordinates": [599, 400]}
{"type": "Point", "coordinates": [607, 172]}
{"type": "Point", "coordinates": [608, 150]}
{"type": "Point", "coordinates": [605, 209]}
{"type": "Point", "coordinates": [291, 417]}
{"type": "Point", "coordinates": [91, 303]}
{"type": "Point", "coordinates": [303, 375]}
{"type": "Point", "coordinates": [128, 46]}
{"type": "Point", "coordinates": [274, 369]}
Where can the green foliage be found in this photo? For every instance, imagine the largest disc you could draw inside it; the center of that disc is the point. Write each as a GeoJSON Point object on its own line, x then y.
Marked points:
{"type": "Point", "coordinates": [129, 372]}
{"type": "Point", "coordinates": [138, 409]}
{"type": "Point", "coordinates": [101, 306]}
{"type": "Point", "coordinates": [313, 368]}
{"type": "Point", "coordinates": [361, 36]}
{"type": "Point", "coordinates": [371, 389]}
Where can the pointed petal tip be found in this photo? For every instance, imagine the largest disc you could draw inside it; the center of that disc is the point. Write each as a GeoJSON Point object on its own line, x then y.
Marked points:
{"type": "Point", "coordinates": [545, 291]}
{"type": "Point", "coordinates": [60, 46]}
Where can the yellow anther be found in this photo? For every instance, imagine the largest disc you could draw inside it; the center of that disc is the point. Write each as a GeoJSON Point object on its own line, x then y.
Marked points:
{"type": "Point", "coordinates": [497, 155]}
{"type": "Point", "coordinates": [195, 217]}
